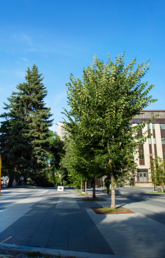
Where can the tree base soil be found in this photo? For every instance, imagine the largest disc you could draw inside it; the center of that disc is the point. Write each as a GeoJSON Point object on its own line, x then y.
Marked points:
{"type": "Point", "coordinates": [85, 194]}
{"type": "Point", "coordinates": [119, 210]}
{"type": "Point", "coordinates": [93, 199]}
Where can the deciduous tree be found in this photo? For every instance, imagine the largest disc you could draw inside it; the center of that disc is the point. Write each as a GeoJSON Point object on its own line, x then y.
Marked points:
{"type": "Point", "coordinates": [158, 172]}
{"type": "Point", "coordinates": [102, 106]}
{"type": "Point", "coordinates": [54, 155]}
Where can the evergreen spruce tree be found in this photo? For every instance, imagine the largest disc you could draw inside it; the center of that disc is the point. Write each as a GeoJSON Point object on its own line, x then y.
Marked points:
{"type": "Point", "coordinates": [24, 138]}
{"type": "Point", "coordinates": [37, 116]}
{"type": "Point", "coordinates": [13, 146]}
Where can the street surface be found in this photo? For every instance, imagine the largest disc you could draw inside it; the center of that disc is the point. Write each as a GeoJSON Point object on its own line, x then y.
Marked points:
{"type": "Point", "coordinates": [61, 220]}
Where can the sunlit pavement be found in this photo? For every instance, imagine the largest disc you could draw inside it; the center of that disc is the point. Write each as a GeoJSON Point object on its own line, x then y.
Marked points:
{"type": "Point", "coordinates": [50, 219]}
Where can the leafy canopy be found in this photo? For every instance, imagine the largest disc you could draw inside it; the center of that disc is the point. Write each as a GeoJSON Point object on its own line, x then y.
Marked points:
{"type": "Point", "coordinates": [102, 105]}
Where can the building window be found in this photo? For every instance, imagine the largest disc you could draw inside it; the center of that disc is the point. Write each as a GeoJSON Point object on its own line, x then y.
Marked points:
{"type": "Point", "coordinates": [139, 132]}
{"type": "Point", "coordinates": [154, 139]}
{"type": "Point", "coordinates": [162, 131]}
{"type": "Point", "coordinates": [141, 151]}
{"type": "Point", "coordinates": [141, 155]}
{"type": "Point", "coordinates": [150, 149]}
{"type": "Point", "coordinates": [163, 140]}
{"type": "Point", "coordinates": [149, 140]}
{"type": "Point", "coordinates": [158, 121]}
{"type": "Point", "coordinates": [155, 149]}
{"type": "Point", "coordinates": [149, 129]}
{"type": "Point", "coordinates": [162, 126]}
{"type": "Point", "coordinates": [153, 129]}
{"type": "Point", "coordinates": [163, 149]}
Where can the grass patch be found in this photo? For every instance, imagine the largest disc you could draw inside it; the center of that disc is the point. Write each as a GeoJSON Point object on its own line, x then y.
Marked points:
{"type": "Point", "coordinates": [82, 194]}
{"type": "Point", "coordinates": [78, 191]}
{"type": "Point", "coordinates": [159, 192]}
{"type": "Point", "coordinates": [106, 208]}
{"type": "Point", "coordinates": [86, 194]}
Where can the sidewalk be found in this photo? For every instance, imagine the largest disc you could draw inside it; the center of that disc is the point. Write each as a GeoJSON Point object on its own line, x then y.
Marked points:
{"type": "Point", "coordinates": [62, 221]}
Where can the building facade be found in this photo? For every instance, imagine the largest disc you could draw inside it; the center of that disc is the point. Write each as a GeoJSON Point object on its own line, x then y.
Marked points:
{"type": "Point", "coordinates": [61, 131]}
{"type": "Point", "coordinates": [155, 145]}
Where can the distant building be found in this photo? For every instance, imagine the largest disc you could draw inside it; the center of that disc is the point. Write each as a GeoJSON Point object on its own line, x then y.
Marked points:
{"type": "Point", "coordinates": [155, 145]}
{"type": "Point", "coordinates": [61, 131]}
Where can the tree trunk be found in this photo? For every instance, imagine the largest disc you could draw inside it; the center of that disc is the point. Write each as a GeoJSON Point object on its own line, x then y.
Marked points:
{"type": "Point", "coordinates": [25, 180]}
{"type": "Point", "coordinates": [113, 205]}
{"type": "Point", "coordinates": [81, 185]}
{"type": "Point", "coordinates": [85, 186]}
{"type": "Point", "coordinates": [53, 175]}
{"type": "Point", "coordinates": [94, 194]}
{"type": "Point", "coordinates": [162, 186]}
{"type": "Point", "coordinates": [10, 182]}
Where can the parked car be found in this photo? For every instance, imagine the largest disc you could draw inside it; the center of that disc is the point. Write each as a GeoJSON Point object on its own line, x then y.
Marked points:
{"type": "Point", "coordinates": [4, 182]}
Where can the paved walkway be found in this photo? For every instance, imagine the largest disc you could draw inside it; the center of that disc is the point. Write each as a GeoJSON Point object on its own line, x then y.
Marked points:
{"type": "Point", "coordinates": [49, 219]}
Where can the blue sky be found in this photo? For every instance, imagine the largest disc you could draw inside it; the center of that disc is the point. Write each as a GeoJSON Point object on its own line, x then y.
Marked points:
{"type": "Point", "coordinates": [61, 37]}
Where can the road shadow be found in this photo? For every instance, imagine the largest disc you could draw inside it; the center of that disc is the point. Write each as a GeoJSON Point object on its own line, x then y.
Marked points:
{"type": "Point", "coordinates": [136, 235]}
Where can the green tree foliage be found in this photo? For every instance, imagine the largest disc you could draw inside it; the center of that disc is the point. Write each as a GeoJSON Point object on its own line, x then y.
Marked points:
{"type": "Point", "coordinates": [24, 133]}
{"type": "Point", "coordinates": [80, 162]}
{"type": "Point", "coordinates": [158, 172]}
{"type": "Point", "coordinates": [102, 106]}
{"type": "Point", "coordinates": [72, 164]}
{"type": "Point", "coordinates": [54, 154]}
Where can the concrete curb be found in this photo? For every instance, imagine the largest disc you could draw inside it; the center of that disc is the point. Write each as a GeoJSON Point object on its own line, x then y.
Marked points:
{"type": "Point", "coordinates": [46, 251]}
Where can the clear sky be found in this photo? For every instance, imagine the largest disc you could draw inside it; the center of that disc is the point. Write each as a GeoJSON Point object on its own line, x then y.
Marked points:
{"type": "Point", "coordinates": [62, 36]}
